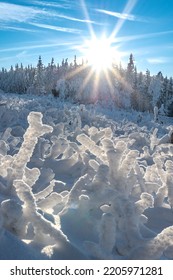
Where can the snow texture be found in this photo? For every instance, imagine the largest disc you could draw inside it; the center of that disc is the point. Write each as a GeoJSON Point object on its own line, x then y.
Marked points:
{"type": "Point", "coordinates": [81, 185]}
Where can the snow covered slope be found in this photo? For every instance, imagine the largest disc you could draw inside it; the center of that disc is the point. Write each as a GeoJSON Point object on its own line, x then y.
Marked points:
{"type": "Point", "coordinates": [83, 182]}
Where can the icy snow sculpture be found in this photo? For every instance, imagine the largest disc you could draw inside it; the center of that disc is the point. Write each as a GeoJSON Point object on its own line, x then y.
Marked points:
{"type": "Point", "coordinates": [23, 178]}
{"type": "Point", "coordinates": [107, 238]}
{"type": "Point", "coordinates": [15, 167]}
{"type": "Point", "coordinates": [160, 196]}
{"type": "Point", "coordinates": [50, 202]}
{"type": "Point", "coordinates": [154, 248]}
{"type": "Point", "coordinates": [35, 130]}
{"type": "Point", "coordinates": [96, 135]}
{"type": "Point", "coordinates": [59, 145]}
{"type": "Point", "coordinates": [30, 176]}
{"type": "Point", "coordinates": [153, 139]}
{"type": "Point", "coordinates": [114, 156]}
{"type": "Point", "coordinates": [76, 191]}
{"type": "Point", "coordinates": [127, 164]}
{"type": "Point", "coordinates": [143, 204]}
{"type": "Point", "coordinates": [30, 213]}
{"type": "Point", "coordinates": [91, 146]}
{"type": "Point", "coordinates": [86, 187]}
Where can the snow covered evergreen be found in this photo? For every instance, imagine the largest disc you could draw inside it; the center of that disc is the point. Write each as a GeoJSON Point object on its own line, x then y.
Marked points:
{"type": "Point", "coordinates": [122, 88]}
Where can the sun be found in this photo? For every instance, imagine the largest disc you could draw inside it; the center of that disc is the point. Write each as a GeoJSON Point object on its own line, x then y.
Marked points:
{"type": "Point", "coordinates": [100, 60]}
{"type": "Point", "coordinates": [100, 54]}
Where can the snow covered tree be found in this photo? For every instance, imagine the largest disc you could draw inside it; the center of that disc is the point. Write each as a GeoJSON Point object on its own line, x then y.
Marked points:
{"type": "Point", "coordinates": [75, 61]}
{"type": "Point", "coordinates": [19, 79]}
{"type": "Point", "coordinates": [130, 69]}
{"type": "Point", "coordinates": [130, 66]}
{"type": "Point", "coordinates": [140, 87]}
{"type": "Point", "coordinates": [50, 77]}
{"type": "Point", "coordinates": [155, 89]}
{"type": "Point", "coordinates": [39, 79]}
{"type": "Point", "coordinates": [146, 92]}
{"type": "Point", "coordinates": [66, 62]}
{"type": "Point", "coordinates": [164, 92]}
{"type": "Point", "coordinates": [135, 93]}
{"type": "Point", "coordinates": [122, 87]}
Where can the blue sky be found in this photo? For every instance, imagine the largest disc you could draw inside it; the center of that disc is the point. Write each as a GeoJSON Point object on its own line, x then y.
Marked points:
{"type": "Point", "coordinates": [58, 29]}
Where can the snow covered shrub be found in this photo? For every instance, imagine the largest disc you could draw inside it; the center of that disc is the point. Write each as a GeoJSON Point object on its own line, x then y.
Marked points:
{"type": "Point", "coordinates": [21, 211]}
{"type": "Point", "coordinates": [116, 197]}
{"type": "Point", "coordinates": [86, 186]}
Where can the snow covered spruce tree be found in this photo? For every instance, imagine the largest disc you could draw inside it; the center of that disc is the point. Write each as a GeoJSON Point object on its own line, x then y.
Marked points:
{"type": "Point", "coordinates": [130, 68]}
{"type": "Point", "coordinates": [135, 93]}
{"type": "Point", "coordinates": [39, 79]}
{"type": "Point", "coordinates": [146, 92]}
{"type": "Point", "coordinates": [131, 77]}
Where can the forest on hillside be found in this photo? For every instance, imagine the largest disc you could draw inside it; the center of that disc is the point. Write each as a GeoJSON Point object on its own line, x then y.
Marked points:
{"type": "Point", "coordinates": [122, 87]}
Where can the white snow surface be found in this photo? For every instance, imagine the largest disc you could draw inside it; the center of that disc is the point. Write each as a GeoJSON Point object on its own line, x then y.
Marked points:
{"type": "Point", "coordinates": [83, 181]}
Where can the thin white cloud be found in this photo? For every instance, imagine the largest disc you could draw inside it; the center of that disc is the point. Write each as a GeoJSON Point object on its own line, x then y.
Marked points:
{"type": "Point", "coordinates": [75, 19]}
{"type": "Point", "coordinates": [24, 14]}
{"type": "Point", "coordinates": [158, 60]}
{"type": "Point", "coordinates": [56, 28]}
{"type": "Point", "coordinates": [15, 28]}
{"type": "Point", "coordinates": [117, 15]}
{"type": "Point", "coordinates": [62, 5]}
{"type": "Point", "coordinates": [59, 15]}
{"type": "Point", "coordinates": [123, 16]}
{"type": "Point", "coordinates": [38, 46]}
{"type": "Point", "coordinates": [18, 13]}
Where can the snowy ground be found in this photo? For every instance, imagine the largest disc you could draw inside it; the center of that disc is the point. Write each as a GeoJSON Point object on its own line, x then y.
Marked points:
{"type": "Point", "coordinates": [83, 182]}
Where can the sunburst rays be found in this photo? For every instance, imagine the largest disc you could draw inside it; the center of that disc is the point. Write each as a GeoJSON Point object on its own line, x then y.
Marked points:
{"type": "Point", "coordinates": [127, 10]}
{"type": "Point", "coordinates": [97, 71]}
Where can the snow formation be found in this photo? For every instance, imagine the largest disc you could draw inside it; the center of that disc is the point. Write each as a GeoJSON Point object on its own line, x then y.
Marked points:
{"type": "Point", "coordinates": [83, 182]}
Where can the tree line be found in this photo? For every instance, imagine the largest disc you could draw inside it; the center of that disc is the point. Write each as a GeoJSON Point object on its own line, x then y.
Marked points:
{"type": "Point", "coordinates": [123, 87]}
